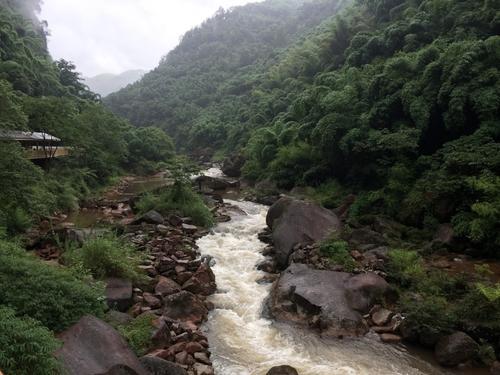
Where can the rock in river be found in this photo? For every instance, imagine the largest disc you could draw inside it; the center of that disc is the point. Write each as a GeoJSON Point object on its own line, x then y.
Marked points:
{"type": "Point", "coordinates": [294, 221]}
{"type": "Point", "coordinates": [333, 302]}
{"type": "Point", "coordinates": [93, 347]}
{"type": "Point", "coordinates": [282, 370]}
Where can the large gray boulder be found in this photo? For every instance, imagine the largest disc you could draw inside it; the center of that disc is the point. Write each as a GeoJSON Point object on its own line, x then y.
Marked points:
{"type": "Point", "coordinates": [93, 347]}
{"type": "Point", "coordinates": [455, 349]}
{"type": "Point", "coordinates": [294, 221]}
{"type": "Point", "coordinates": [333, 302]}
{"type": "Point", "coordinates": [213, 183]}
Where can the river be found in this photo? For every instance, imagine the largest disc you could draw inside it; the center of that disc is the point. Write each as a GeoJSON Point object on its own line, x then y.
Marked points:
{"type": "Point", "coordinates": [244, 342]}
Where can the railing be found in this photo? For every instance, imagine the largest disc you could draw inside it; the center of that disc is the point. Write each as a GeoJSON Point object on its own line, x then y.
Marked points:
{"type": "Point", "coordinates": [47, 152]}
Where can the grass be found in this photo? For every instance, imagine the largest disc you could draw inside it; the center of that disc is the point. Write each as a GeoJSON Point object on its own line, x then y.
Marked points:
{"type": "Point", "coordinates": [138, 333]}
{"type": "Point", "coordinates": [338, 253]}
{"type": "Point", "coordinates": [105, 257]}
{"type": "Point", "coordinates": [178, 199]}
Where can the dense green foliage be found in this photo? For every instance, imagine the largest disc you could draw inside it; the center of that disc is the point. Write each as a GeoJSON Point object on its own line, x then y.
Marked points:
{"type": "Point", "coordinates": [397, 101]}
{"type": "Point", "coordinates": [338, 253]}
{"type": "Point", "coordinates": [53, 295]}
{"type": "Point", "coordinates": [26, 347]}
{"type": "Point", "coordinates": [436, 302]}
{"type": "Point", "coordinates": [138, 333]}
{"type": "Point", "coordinates": [202, 89]}
{"type": "Point", "coordinates": [105, 257]}
{"type": "Point", "coordinates": [38, 94]}
{"type": "Point", "coordinates": [178, 199]}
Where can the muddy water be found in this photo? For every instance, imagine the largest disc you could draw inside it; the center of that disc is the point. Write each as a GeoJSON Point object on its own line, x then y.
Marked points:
{"type": "Point", "coordinates": [243, 342]}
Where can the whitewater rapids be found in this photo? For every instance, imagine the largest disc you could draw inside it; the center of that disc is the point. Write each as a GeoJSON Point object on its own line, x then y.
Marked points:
{"type": "Point", "coordinates": [244, 342]}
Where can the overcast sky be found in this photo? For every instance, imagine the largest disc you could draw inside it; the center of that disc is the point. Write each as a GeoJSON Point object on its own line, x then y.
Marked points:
{"type": "Point", "coordinates": [112, 36]}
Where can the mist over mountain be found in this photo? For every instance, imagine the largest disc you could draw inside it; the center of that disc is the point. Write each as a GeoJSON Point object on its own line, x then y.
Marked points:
{"type": "Point", "coordinates": [105, 84]}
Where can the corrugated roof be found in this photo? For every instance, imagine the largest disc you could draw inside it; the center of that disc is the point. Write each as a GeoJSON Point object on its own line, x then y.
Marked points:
{"type": "Point", "coordinates": [15, 135]}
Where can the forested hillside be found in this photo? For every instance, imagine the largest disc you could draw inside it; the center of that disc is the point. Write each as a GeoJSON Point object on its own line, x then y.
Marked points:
{"type": "Point", "coordinates": [42, 95]}
{"type": "Point", "coordinates": [397, 101]}
{"type": "Point", "coordinates": [199, 87]}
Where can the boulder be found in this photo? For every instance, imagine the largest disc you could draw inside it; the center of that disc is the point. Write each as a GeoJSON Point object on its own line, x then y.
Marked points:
{"type": "Point", "coordinates": [184, 306]}
{"type": "Point", "coordinates": [455, 349]}
{"type": "Point", "coordinates": [158, 366]}
{"type": "Point", "coordinates": [202, 282]}
{"type": "Point", "coordinates": [188, 228]}
{"type": "Point", "coordinates": [333, 302]}
{"type": "Point", "coordinates": [268, 266]}
{"type": "Point", "coordinates": [202, 369]}
{"type": "Point", "coordinates": [231, 167]}
{"type": "Point", "coordinates": [212, 183]}
{"type": "Point", "coordinates": [293, 221]}
{"type": "Point", "coordinates": [119, 294]}
{"type": "Point", "coordinates": [151, 217]}
{"type": "Point", "coordinates": [92, 347]}
{"type": "Point", "coordinates": [382, 317]}
{"type": "Point", "coordinates": [166, 286]}
{"type": "Point", "coordinates": [282, 370]}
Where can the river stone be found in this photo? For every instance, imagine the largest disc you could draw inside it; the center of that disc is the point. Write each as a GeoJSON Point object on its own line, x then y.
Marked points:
{"type": "Point", "coordinates": [202, 281]}
{"type": "Point", "coordinates": [382, 317]}
{"type": "Point", "coordinates": [333, 302]}
{"type": "Point", "coordinates": [151, 217]}
{"type": "Point", "coordinates": [184, 306]}
{"type": "Point", "coordinates": [212, 183]}
{"type": "Point", "coordinates": [293, 221]}
{"type": "Point", "coordinates": [282, 370]}
{"type": "Point", "coordinates": [166, 286]}
{"type": "Point", "coordinates": [93, 347]}
{"type": "Point", "coordinates": [202, 369]}
{"type": "Point", "coordinates": [158, 366]}
{"type": "Point", "coordinates": [119, 294]}
{"type": "Point", "coordinates": [455, 349]}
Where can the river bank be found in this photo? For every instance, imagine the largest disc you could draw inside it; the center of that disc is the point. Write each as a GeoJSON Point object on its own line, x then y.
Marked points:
{"type": "Point", "coordinates": [208, 292]}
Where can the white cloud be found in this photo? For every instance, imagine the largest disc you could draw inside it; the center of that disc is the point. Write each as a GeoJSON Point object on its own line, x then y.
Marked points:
{"type": "Point", "coordinates": [111, 36]}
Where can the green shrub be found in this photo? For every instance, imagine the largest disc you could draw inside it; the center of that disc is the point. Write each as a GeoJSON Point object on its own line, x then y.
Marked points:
{"type": "Point", "coordinates": [181, 199]}
{"type": "Point", "coordinates": [138, 333]}
{"type": "Point", "coordinates": [338, 253]}
{"type": "Point", "coordinates": [55, 296]}
{"type": "Point", "coordinates": [486, 354]}
{"type": "Point", "coordinates": [329, 194]}
{"type": "Point", "coordinates": [26, 347]}
{"type": "Point", "coordinates": [16, 221]}
{"type": "Point", "coordinates": [428, 312]}
{"type": "Point", "coordinates": [406, 267]}
{"type": "Point", "coordinates": [481, 304]}
{"type": "Point", "coordinates": [106, 257]}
